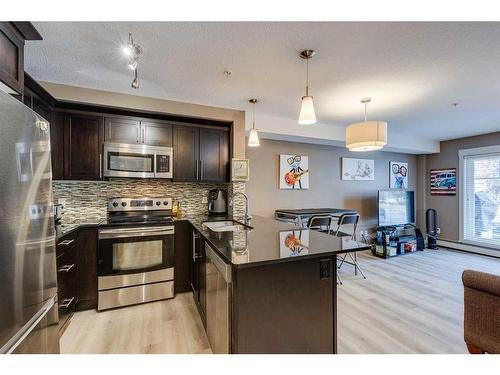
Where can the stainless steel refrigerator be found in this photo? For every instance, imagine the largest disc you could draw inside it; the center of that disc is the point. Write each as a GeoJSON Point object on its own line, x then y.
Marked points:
{"type": "Point", "coordinates": [28, 279]}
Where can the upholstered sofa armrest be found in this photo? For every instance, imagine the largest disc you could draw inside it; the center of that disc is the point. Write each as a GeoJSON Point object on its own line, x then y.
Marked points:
{"type": "Point", "coordinates": [482, 281]}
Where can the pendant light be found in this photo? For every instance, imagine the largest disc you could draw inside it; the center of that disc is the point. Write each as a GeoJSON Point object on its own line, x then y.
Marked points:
{"type": "Point", "coordinates": [253, 138]}
{"type": "Point", "coordinates": [366, 135]}
{"type": "Point", "coordinates": [307, 115]}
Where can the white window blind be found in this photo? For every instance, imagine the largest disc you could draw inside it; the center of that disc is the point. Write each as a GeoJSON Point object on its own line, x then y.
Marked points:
{"type": "Point", "coordinates": [481, 198]}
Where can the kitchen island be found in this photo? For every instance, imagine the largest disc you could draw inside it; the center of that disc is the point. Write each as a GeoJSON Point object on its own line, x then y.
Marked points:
{"type": "Point", "coordinates": [268, 288]}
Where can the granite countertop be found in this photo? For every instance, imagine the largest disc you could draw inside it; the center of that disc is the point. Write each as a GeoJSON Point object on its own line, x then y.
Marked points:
{"type": "Point", "coordinates": [265, 241]}
{"type": "Point", "coordinates": [66, 228]}
{"type": "Point", "coordinates": [271, 241]}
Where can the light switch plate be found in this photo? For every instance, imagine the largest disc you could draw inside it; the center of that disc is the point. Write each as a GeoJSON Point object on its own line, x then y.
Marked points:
{"type": "Point", "coordinates": [204, 200]}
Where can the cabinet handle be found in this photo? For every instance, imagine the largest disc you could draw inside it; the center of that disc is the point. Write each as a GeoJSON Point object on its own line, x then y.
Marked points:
{"type": "Point", "coordinates": [66, 268]}
{"type": "Point", "coordinates": [201, 169]}
{"type": "Point", "coordinates": [197, 170]}
{"type": "Point", "coordinates": [100, 166]}
{"type": "Point", "coordinates": [138, 130]}
{"type": "Point", "coordinates": [67, 302]}
{"type": "Point", "coordinates": [66, 242]}
{"type": "Point", "coordinates": [143, 135]}
{"type": "Point", "coordinates": [195, 236]}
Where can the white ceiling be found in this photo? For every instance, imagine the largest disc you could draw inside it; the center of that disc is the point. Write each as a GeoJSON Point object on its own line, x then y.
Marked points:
{"type": "Point", "coordinates": [413, 71]}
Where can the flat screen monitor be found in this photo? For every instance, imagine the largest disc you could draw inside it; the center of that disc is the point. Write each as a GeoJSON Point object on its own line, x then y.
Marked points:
{"type": "Point", "coordinates": [396, 207]}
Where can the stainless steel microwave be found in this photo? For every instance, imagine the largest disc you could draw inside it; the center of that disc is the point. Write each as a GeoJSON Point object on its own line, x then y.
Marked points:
{"type": "Point", "coordinates": [139, 161]}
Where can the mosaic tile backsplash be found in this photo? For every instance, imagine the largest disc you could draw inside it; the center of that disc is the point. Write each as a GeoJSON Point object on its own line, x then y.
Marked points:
{"type": "Point", "coordinates": [86, 200]}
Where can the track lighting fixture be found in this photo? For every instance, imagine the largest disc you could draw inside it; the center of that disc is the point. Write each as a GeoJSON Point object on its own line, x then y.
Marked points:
{"type": "Point", "coordinates": [133, 52]}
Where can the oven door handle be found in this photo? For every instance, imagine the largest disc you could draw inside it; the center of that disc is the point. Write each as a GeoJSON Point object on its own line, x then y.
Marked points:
{"type": "Point", "coordinates": [135, 232]}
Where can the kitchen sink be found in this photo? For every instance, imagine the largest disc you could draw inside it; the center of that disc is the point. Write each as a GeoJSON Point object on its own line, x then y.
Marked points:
{"type": "Point", "coordinates": [225, 226]}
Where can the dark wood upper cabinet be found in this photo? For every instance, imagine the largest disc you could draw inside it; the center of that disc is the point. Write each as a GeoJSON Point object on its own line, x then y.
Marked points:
{"type": "Point", "coordinates": [12, 38]}
{"type": "Point", "coordinates": [156, 133]}
{"type": "Point", "coordinates": [11, 57]}
{"type": "Point", "coordinates": [122, 130]}
{"type": "Point", "coordinates": [57, 145]}
{"type": "Point", "coordinates": [200, 154]}
{"type": "Point", "coordinates": [131, 130]}
{"type": "Point", "coordinates": [83, 137]}
{"type": "Point", "coordinates": [214, 155]}
{"type": "Point", "coordinates": [186, 153]}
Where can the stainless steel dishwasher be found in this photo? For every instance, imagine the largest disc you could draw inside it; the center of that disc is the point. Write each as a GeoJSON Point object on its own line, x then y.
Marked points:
{"type": "Point", "coordinates": [218, 289]}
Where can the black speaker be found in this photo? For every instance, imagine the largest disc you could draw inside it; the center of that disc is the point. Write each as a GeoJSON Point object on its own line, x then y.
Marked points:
{"type": "Point", "coordinates": [431, 219]}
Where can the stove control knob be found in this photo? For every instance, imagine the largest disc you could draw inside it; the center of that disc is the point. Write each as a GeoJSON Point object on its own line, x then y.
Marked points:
{"type": "Point", "coordinates": [165, 203]}
{"type": "Point", "coordinates": [158, 203]}
{"type": "Point", "coordinates": [115, 204]}
{"type": "Point", "coordinates": [124, 204]}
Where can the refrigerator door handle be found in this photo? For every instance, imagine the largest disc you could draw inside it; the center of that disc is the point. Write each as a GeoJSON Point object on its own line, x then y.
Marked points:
{"type": "Point", "coordinates": [19, 337]}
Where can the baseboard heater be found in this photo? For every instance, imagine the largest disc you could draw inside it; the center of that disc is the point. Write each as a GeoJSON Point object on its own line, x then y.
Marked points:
{"type": "Point", "coordinates": [469, 248]}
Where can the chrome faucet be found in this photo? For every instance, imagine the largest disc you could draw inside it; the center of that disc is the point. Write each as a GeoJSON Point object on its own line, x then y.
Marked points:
{"type": "Point", "coordinates": [248, 217]}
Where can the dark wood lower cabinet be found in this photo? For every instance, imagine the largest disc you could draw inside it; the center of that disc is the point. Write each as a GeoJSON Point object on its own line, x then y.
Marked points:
{"type": "Point", "coordinates": [182, 256]}
{"type": "Point", "coordinates": [284, 308]}
{"type": "Point", "coordinates": [198, 275]}
{"type": "Point", "coordinates": [66, 253]}
{"type": "Point", "coordinates": [87, 268]}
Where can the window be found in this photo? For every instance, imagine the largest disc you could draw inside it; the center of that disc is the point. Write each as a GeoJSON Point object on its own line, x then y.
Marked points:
{"type": "Point", "coordinates": [480, 196]}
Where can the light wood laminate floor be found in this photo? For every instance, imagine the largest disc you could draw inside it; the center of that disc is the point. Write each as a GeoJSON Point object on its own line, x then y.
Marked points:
{"type": "Point", "coordinates": [172, 326]}
{"type": "Point", "coordinates": [408, 304]}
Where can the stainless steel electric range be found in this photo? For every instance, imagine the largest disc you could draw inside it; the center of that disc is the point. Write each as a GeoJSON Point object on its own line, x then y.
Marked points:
{"type": "Point", "coordinates": [136, 252]}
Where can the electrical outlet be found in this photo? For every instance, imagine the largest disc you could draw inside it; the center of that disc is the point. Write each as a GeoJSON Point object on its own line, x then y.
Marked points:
{"type": "Point", "coordinates": [62, 201]}
{"type": "Point", "coordinates": [204, 200]}
{"type": "Point", "coordinates": [438, 230]}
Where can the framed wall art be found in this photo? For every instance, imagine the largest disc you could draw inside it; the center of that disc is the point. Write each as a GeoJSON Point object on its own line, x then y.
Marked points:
{"type": "Point", "coordinates": [240, 169]}
{"type": "Point", "coordinates": [398, 174]}
{"type": "Point", "coordinates": [443, 181]}
{"type": "Point", "coordinates": [294, 172]}
{"type": "Point", "coordinates": [358, 169]}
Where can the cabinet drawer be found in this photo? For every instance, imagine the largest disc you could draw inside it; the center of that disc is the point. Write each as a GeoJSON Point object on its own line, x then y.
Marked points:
{"type": "Point", "coordinates": [67, 244]}
{"type": "Point", "coordinates": [67, 302]}
{"type": "Point", "coordinates": [66, 276]}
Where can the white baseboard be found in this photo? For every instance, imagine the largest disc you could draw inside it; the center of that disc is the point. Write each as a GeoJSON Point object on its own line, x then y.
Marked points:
{"type": "Point", "coordinates": [469, 248]}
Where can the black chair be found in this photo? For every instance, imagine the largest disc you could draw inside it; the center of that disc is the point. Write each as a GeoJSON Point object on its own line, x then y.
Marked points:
{"type": "Point", "coordinates": [320, 223]}
{"type": "Point", "coordinates": [348, 220]}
